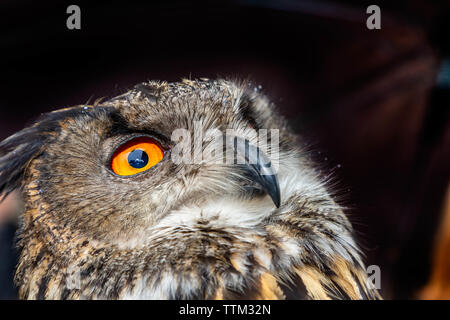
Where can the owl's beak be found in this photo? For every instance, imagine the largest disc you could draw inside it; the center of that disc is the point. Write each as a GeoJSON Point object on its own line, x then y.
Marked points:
{"type": "Point", "coordinates": [257, 166]}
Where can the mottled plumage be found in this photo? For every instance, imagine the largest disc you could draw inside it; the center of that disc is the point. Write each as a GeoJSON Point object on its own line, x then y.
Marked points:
{"type": "Point", "coordinates": [176, 231]}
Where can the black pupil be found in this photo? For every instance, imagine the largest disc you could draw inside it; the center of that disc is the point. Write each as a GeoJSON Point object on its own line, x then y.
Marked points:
{"type": "Point", "coordinates": [138, 159]}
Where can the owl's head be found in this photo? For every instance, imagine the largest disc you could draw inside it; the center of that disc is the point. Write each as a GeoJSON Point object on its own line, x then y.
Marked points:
{"type": "Point", "coordinates": [115, 171]}
{"type": "Point", "coordinates": [194, 189]}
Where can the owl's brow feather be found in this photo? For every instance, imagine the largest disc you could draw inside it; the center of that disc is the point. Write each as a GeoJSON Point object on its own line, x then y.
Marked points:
{"type": "Point", "coordinates": [120, 126]}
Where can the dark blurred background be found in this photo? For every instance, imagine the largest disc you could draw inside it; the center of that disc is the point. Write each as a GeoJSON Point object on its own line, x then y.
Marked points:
{"type": "Point", "coordinates": [373, 105]}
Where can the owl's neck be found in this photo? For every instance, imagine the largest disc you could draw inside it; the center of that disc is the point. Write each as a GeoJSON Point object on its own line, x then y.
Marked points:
{"type": "Point", "coordinates": [202, 256]}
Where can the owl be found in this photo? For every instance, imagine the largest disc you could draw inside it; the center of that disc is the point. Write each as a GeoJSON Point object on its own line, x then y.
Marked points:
{"type": "Point", "coordinates": [123, 200]}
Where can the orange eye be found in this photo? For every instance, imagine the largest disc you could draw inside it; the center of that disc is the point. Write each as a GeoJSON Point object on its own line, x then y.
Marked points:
{"type": "Point", "coordinates": [137, 155]}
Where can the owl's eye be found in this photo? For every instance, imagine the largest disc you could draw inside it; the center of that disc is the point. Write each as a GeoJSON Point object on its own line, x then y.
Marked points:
{"type": "Point", "coordinates": [137, 155]}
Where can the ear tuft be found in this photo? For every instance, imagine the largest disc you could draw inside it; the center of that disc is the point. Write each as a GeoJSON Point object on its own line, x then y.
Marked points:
{"type": "Point", "coordinates": [17, 151]}
{"type": "Point", "coordinates": [15, 154]}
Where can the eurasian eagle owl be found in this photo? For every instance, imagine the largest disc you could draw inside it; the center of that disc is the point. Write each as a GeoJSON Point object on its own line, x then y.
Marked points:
{"type": "Point", "coordinates": [110, 214]}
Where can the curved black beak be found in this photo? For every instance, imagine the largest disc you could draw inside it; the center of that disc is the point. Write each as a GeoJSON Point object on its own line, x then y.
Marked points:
{"type": "Point", "coordinates": [257, 167]}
